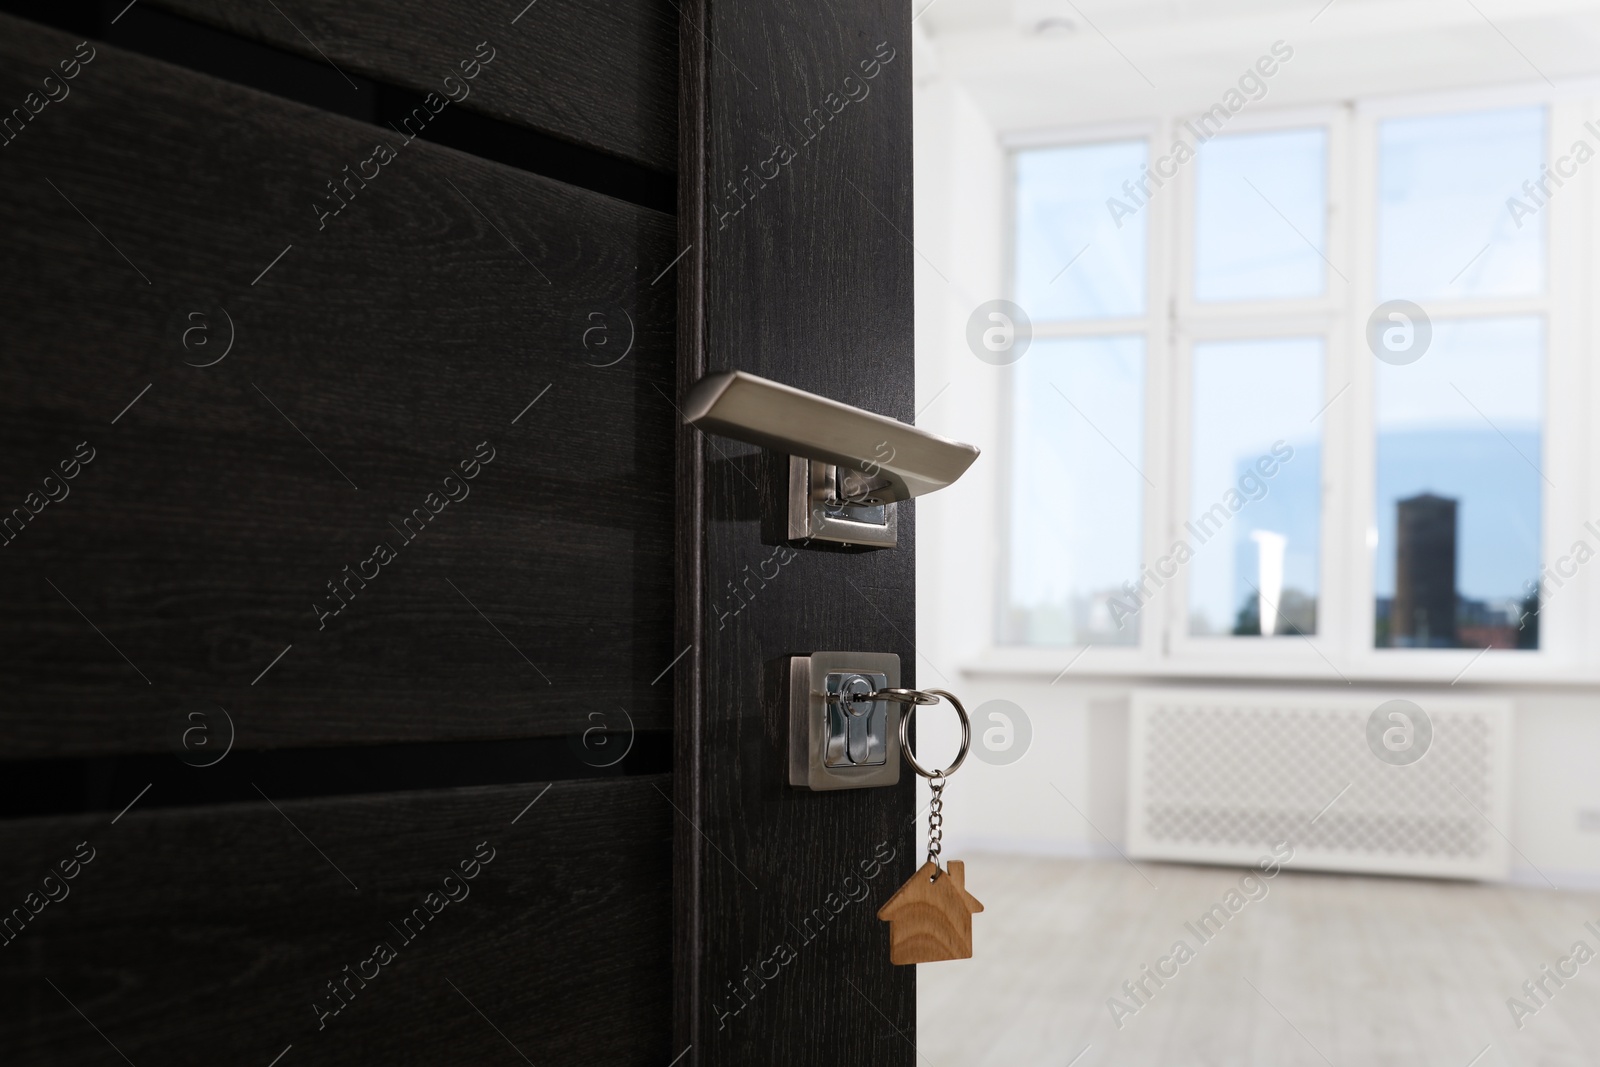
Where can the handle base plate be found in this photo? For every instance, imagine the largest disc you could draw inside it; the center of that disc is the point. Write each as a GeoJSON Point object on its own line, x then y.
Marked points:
{"type": "Point", "coordinates": [816, 515]}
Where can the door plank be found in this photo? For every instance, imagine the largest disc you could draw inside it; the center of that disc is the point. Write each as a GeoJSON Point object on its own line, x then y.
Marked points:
{"type": "Point", "coordinates": [803, 276]}
{"type": "Point", "coordinates": [602, 75]}
{"type": "Point", "coordinates": [205, 936]}
{"type": "Point", "coordinates": [451, 302]}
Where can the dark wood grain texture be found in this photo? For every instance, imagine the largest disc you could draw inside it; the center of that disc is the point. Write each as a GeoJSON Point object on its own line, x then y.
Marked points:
{"type": "Point", "coordinates": [206, 936]}
{"type": "Point", "coordinates": [602, 75]}
{"type": "Point", "coordinates": [805, 277]}
{"type": "Point", "coordinates": [379, 352]}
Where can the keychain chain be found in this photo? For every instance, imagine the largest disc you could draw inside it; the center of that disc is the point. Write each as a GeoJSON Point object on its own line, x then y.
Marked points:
{"type": "Point", "coordinates": [937, 779]}
{"type": "Point", "coordinates": [936, 821]}
{"type": "Point", "coordinates": [930, 917]}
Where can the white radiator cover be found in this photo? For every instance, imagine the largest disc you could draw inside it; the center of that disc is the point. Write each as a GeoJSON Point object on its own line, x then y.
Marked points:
{"type": "Point", "coordinates": [1223, 775]}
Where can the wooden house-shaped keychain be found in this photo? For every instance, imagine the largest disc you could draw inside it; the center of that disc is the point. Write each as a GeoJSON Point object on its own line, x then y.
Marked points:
{"type": "Point", "coordinates": [930, 917]}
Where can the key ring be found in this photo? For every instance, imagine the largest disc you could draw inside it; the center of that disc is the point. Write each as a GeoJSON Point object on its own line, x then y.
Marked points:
{"type": "Point", "coordinates": [966, 737]}
{"type": "Point", "coordinates": [913, 698]}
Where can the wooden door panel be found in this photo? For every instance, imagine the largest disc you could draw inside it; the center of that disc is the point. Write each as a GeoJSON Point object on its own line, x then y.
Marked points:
{"type": "Point", "coordinates": [372, 355]}
{"type": "Point", "coordinates": [205, 936]}
{"type": "Point", "coordinates": [804, 275]}
{"type": "Point", "coordinates": [598, 74]}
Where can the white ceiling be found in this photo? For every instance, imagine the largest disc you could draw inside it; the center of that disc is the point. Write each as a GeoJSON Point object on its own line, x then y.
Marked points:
{"type": "Point", "coordinates": [1032, 64]}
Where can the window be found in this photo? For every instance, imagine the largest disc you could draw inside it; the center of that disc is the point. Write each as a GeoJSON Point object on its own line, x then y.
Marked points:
{"type": "Point", "coordinates": [1260, 216]}
{"type": "Point", "coordinates": [1067, 573]}
{"type": "Point", "coordinates": [1350, 391]}
{"type": "Point", "coordinates": [1458, 431]}
{"type": "Point", "coordinates": [1458, 488]}
{"type": "Point", "coordinates": [1073, 260]}
{"type": "Point", "coordinates": [1254, 515]}
{"type": "Point", "coordinates": [1255, 487]}
{"type": "Point", "coordinates": [1077, 400]}
{"type": "Point", "coordinates": [1443, 227]}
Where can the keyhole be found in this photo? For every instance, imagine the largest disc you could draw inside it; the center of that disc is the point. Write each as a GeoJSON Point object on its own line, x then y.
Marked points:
{"type": "Point", "coordinates": [856, 686]}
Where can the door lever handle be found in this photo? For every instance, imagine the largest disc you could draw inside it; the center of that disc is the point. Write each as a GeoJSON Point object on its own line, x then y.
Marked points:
{"type": "Point", "coordinates": [902, 460]}
{"type": "Point", "coordinates": [875, 460]}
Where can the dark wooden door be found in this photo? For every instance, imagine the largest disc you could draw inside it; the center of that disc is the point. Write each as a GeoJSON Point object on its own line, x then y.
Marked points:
{"type": "Point", "coordinates": [372, 687]}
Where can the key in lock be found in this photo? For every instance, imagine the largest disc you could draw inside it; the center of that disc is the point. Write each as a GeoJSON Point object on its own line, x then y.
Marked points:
{"type": "Point", "coordinates": [858, 730]}
{"type": "Point", "coordinates": [836, 742]}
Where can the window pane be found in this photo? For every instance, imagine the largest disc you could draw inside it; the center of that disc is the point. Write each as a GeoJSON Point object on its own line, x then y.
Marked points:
{"type": "Point", "coordinates": [1255, 497]}
{"type": "Point", "coordinates": [1459, 489]}
{"type": "Point", "coordinates": [1076, 492]}
{"type": "Point", "coordinates": [1261, 209]}
{"type": "Point", "coordinates": [1445, 225]}
{"type": "Point", "coordinates": [1062, 218]}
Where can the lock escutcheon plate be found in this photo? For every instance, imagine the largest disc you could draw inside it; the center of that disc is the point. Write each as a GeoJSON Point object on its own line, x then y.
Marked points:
{"type": "Point", "coordinates": [834, 742]}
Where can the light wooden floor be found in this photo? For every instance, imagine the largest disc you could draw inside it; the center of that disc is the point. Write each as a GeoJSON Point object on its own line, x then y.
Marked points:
{"type": "Point", "coordinates": [1325, 969]}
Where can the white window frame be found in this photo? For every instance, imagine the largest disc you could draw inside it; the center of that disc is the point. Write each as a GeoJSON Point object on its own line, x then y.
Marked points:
{"type": "Point", "coordinates": [1342, 650]}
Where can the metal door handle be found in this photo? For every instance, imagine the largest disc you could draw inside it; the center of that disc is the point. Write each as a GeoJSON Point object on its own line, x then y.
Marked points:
{"type": "Point", "coordinates": [905, 460]}
{"type": "Point", "coordinates": [860, 463]}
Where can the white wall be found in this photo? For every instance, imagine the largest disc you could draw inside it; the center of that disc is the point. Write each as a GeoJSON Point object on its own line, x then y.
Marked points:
{"type": "Point", "coordinates": [959, 187]}
{"type": "Point", "coordinates": [1070, 787]}
{"type": "Point", "coordinates": [1068, 790]}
